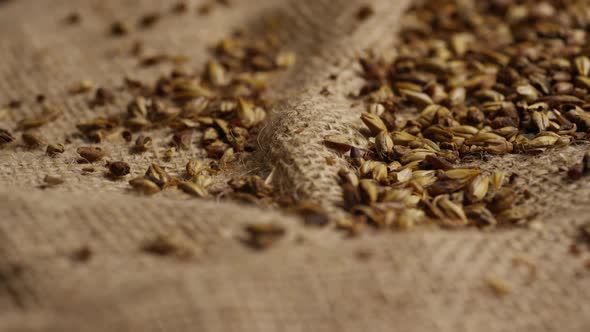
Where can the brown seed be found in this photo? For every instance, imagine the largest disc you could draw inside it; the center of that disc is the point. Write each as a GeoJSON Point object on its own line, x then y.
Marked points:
{"type": "Point", "coordinates": [145, 186]}
{"type": "Point", "coordinates": [368, 191]}
{"type": "Point", "coordinates": [499, 286]}
{"type": "Point", "coordinates": [119, 168]}
{"type": "Point", "coordinates": [137, 123]}
{"type": "Point", "coordinates": [47, 115]}
{"type": "Point", "coordinates": [513, 215]}
{"type": "Point", "coordinates": [91, 154]}
{"type": "Point", "coordinates": [184, 89]}
{"type": "Point", "coordinates": [83, 86]}
{"type": "Point", "coordinates": [97, 125]}
{"type": "Point", "coordinates": [286, 59]}
{"type": "Point", "coordinates": [497, 180]}
{"type": "Point", "coordinates": [227, 158]}
{"type": "Point", "coordinates": [374, 123]}
{"type": "Point", "coordinates": [82, 255]}
{"type": "Point", "coordinates": [351, 195]}
{"type": "Point", "coordinates": [15, 103]}
{"type": "Point", "coordinates": [563, 88]}
{"type": "Point", "coordinates": [585, 232]}
{"type": "Point", "coordinates": [475, 115]}
{"type": "Point", "coordinates": [216, 149]}
{"type": "Point", "coordinates": [157, 175]}
{"type": "Point", "coordinates": [579, 117]}
{"type": "Point", "coordinates": [53, 180]}
{"type": "Point", "coordinates": [103, 96]}
{"type": "Point", "coordinates": [210, 134]}
{"type": "Point", "coordinates": [73, 18]}
{"type": "Point", "coordinates": [543, 140]}
{"type": "Point", "coordinates": [262, 63]}
{"type": "Point", "coordinates": [356, 154]}
{"type": "Point", "coordinates": [149, 20]}
{"type": "Point", "coordinates": [503, 121]}
{"type": "Point", "coordinates": [409, 218]}
{"type": "Point", "coordinates": [195, 167]}
{"type": "Point", "coordinates": [154, 60]}
{"type": "Point", "coordinates": [528, 92]}
{"type": "Point", "coordinates": [183, 139]}
{"type": "Point", "coordinates": [462, 174]}
{"type": "Point", "coordinates": [262, 236]}
{"type": "Point", "coordinates": [541, 120]}
{"type": "Point", "coordinates": [167, 245]}
{"type": "Point", "coordinates": [556, 100]}
{"type": "Point", "coordinates": [365, 12]}
{"type": "Point", "coordinates": [340, 143]}
{"type": "Point", "coordinates": [482, 138]}
{"type": "Point", "coordinates": [503, 200]}
{"type": "Point", "coordinates": [380, 173]}
{"type": "Point", "coordinates": [508, 132]}
{"type": "Point", "coordinates": [120, 28]}
{"type": "Point", "coordinates": [384, 144]}
{"type": "Point", "coordinates": [364, 255]}
{"type": "Point", "coordinates": [576, 171]}
{"type": "Point", "coordinates": [142, 143]}
{"type": "Point", "coordinates": [438, 134]}
{"type": "Point", "coordinates": [478, 188]}
{"type": "Point", "coordinates": [457, 96]}
{"type": "Point", "coordinates": [4, 113]}
{"type": "Point", "coordinates": [376, 109]}
{"type": "Point", "coordinates": [489, 95]}
{"type": "Point", "coordinates": [193, 189]}
{"type": "Point", "coordinates": [375, 216]}
{"type": "Point", "coordinates": [450, 213]}
{"type": "Point", "coordinates": [437, 162]}
{"type": "Point", "coordinates": [247, 113]}
{"type": "Point", "coordinates": [55, 149]}
{"type": "Point", "coordinates": [460, 42]}
{"type": "Point", "coordinates": [586, 160]}
{"type": "Point", "coordinates": [496, 56]}
{"type": "Point", "coordinates": [127, 136]}
{"type": "Point", "coordinates": [180, 8]}
{"type": "Point", "coordinates": [446, 186]}
{"type": "Point", "coordinates": [582, 65]}
{"type": "Point", "coordinates": [347, 176]}
{"type": "Point", "coordinates": [88, 170]}
{"type": "Point", "coordinates": [583, 82]}
{"type": "Point", "coordinates": [424, 178]}
{"type": "Point", "coordinates": [251, 185]}
{"type": "Point", "coordinates": [480, 215]}
{"type": "Point", "coordinates": [5, 137]}
{"type": "Point", "coordinates": [419, 98]}
{"type": "Point", "coordinates": [33, 140]}
{"type": "Point", "coordinates": [403, 175]}
{"type": "Point", "coordinates": [367, 168]}
{"type": "Point", "coordinates": [312, 214]}
{"type": "Point", "coordinates": [216, 73]}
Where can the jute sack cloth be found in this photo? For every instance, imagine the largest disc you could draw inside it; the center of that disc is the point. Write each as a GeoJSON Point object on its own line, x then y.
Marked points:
{"type": "Point", "coordinates": [423, 280]}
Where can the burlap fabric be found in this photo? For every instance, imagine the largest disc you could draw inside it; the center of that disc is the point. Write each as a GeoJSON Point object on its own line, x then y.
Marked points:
{"type": "Point", "coordinates": [424, 280]}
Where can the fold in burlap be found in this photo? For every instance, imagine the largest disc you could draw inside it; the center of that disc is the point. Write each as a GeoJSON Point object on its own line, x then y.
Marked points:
{"type": "Point", "coordinates": [313, 280]}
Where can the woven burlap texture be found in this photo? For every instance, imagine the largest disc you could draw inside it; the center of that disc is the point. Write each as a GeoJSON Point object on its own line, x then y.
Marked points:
{"type": "Point", "coordinates": [423, 280]}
